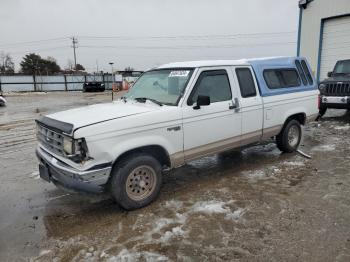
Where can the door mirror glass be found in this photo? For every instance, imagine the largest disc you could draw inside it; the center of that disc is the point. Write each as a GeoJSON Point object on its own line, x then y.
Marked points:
{"type": "Point", "coordinates": [329, 74]}
{"type": "Point", "coordinates": [202, 101]}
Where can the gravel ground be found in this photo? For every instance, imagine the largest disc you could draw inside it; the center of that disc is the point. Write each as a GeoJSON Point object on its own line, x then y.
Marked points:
{"type": "Point", "coordinates": [253, 205]}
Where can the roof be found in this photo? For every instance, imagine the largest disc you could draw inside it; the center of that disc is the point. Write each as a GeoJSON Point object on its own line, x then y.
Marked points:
{"type": "Point", "coordinates": [203, 63]}
{"type": "Point", "coordinates": [251, 61]}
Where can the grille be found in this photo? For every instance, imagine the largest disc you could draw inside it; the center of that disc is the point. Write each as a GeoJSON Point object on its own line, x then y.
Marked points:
{"type": "Point", "coordinates": [337, 89]}
{"type": "Point", "coordinates": [51, 140]}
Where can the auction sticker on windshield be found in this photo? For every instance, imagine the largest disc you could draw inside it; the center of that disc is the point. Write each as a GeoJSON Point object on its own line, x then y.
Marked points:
{"type": "Point", "coordinates": [182, 73]}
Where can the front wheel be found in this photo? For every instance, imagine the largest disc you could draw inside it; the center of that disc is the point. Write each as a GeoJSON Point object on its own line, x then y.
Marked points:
{"type": "Point", "coordinates": [289, 139]}
{"type": "Point", "coordinates": [136, 181]}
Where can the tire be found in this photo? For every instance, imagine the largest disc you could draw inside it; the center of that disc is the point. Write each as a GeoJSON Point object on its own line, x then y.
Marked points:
{"type": "Point", "coordinates": [322, 111]}
{"type": "Point", "coordinates": [289, 138]}
{"type": "Point", "coordinates": [136, 181]}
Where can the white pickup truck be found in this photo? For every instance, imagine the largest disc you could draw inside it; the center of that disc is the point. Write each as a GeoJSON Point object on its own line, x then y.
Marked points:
{"type": "Point", "coordinates": [174, 114]}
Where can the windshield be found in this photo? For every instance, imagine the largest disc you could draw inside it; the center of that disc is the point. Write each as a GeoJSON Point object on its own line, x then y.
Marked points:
{"type": "Point", "coordinates": [342, 67]}
{"type": "Point", "coordinates": [165, 86]}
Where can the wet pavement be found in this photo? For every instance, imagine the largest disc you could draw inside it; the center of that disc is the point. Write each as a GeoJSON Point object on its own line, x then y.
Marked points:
{"type": "Point", "coordinates": [254, 205]}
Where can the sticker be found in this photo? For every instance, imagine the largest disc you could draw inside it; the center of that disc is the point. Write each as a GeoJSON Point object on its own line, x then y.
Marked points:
{"type": "Point", "coordinates": [179, 73]}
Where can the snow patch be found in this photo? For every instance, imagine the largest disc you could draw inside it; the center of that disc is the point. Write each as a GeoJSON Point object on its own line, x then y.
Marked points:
{"type": "Point", "coordinates": [210, 207]}
{"type": "Point", "coordinates": [175, 232]}
{"type": "Point", "coordinates": [44, 252]}
{"type": "Point", "coordinates": [34, 175]}
{"type": "Point", "coordinates": [173, 204]}
{"type": "Point", "coordinates": [346, 127]}
{"type": "Point", "coordinates": [237, 214]}
{"type": "Point", "coordinates": [128, 256]}
{"type": "Point", "coordinates": [219, 207]}
{"type": "Point", "coordinates": [324, 148]}
{"type": "Point", "coordinates": [294, 163]}
{"type": "Point", "coordinates": [254, 175]}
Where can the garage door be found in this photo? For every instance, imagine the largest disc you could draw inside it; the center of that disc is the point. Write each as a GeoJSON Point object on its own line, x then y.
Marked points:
{"type": "Point", "coordinates": [335, 45]}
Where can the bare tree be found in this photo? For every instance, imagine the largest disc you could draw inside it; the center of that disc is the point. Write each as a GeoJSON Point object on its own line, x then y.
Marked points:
{"type": "Point", "coordinates": [129, 69]}
{"type": "Point", "coordinates": [7, 66]}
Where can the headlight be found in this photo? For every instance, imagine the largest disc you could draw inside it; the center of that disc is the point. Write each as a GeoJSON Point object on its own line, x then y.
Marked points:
{"type": "Point", "coordinates": [322, 87]}
{"type": "Point", "coordinates": [68, 145]}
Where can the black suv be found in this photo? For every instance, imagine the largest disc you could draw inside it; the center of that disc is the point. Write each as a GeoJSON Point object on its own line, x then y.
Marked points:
{"type": "Point", "coordinates": [93, 87]}
{"type": "Point", "coordinates": [335, 90]}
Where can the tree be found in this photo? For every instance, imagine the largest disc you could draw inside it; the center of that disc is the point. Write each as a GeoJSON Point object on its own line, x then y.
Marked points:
{"type": "Point", "coordinates": [7, 65]}
{"type": "Point", "coordinates": [80, 67]}
{"type": "Point", "coordinates": [35, 64]}
{"type": "Point", "coordinates": [69, 65]}
{"type": "Point", "coordinates": [50, 65]}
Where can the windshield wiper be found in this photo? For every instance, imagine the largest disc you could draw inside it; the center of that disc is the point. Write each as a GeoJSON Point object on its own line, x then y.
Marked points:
{"type": "Point", "coordinates": [144, 99]}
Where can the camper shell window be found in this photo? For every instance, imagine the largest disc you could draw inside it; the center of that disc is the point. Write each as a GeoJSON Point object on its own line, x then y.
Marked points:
{"type": "Point", "coordinates": [281, 78]}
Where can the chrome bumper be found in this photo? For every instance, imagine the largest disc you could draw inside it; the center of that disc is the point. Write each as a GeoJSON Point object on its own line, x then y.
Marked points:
{"type": "Point", "coordinates": [67, 177]}
{"type": "Point", "coordinates": [335, 99]}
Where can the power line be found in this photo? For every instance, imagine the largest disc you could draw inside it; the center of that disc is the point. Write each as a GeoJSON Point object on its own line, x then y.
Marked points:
{"type": "Point", "coordinates": [191, 37]}
{"type": "Point", "coordinates": [39, 50]}
{"type": "Point", "coordinates": [34, 42]}
{"type": "Point", "coordinates": [186, 47]}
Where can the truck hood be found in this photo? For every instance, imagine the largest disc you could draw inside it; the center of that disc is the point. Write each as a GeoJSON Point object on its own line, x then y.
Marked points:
{"type": "Point", "coordinates": [93, 114]}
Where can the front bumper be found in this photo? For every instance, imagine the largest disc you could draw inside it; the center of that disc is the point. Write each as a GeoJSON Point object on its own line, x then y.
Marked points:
{"type": "Point", "coordinates": [62, 175]}
{"type": "Point", "coordinates": [337, 102]}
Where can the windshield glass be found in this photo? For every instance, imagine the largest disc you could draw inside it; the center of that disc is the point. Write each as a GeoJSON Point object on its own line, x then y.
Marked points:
{"type": "Point", "coordinates": [165, 86]}
{"type": "Point", "coordinates": [342, 67]}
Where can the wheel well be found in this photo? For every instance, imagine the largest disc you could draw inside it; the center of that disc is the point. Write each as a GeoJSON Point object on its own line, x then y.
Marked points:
{"type": "Point", "coordinates": [156, 151]}
{"type": "Point", "coordinates": [300, 117]}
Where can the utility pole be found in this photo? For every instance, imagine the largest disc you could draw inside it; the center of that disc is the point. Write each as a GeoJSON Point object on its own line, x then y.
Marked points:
{"type": "Point", "coordinates": [111, 63]}
{"type": "Point", "coordinates": [75, 42]}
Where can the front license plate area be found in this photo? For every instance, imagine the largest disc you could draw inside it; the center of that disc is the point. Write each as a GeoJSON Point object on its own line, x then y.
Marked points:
{"type": "Point", "coordinates": [44, 172]}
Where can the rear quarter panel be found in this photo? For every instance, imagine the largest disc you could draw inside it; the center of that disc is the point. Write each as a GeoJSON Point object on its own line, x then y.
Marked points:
{"type": "Point", "coordinates": [278, 108]}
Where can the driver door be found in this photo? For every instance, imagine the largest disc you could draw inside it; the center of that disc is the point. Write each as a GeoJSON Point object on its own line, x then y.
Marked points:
{"type": "Point", "coordinates": [217, 126]}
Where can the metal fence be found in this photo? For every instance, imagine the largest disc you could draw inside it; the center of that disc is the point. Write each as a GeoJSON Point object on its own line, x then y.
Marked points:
{"type": "Point", "coordinates": [37, 83]}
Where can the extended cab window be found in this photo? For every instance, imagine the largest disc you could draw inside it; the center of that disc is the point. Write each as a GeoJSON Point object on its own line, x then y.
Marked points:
{"type": "Point", "coordinates": [246, 82]}
{"type": "Point", "coordinates": [281, 78]}
{"type": "Point", "coordinates": [214, 84]}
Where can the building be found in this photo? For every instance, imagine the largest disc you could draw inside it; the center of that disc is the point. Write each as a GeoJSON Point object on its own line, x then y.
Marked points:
{"type": "Point", "coordinates": [324, 33]}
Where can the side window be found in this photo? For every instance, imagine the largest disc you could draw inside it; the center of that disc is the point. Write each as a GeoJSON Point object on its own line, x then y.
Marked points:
{"type": "Point", "coordinates": [246, 82]}
{"type": "Point", "coordinates": [301, 72]}
{"type": "Point", "coordinates": [214, 84]}
{"type": "Point", "coordinates": [281, 78]}
{"type": "Point", "coordinates": [307, 72]}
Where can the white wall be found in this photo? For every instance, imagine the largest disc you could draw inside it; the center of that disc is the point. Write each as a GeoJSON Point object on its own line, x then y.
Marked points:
{"type": "Point", "coordinates": [311, 24]}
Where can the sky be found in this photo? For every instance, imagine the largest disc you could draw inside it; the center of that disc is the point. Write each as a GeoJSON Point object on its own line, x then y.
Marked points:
{"type": "Point", "coordinates": [146, 33]}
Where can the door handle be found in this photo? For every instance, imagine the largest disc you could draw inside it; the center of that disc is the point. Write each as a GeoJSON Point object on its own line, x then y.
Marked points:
{"type": "Point", "coordinates": [234, 105]}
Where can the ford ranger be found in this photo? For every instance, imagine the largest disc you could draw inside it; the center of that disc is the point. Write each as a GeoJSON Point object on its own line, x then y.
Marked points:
{"type": "Point", "coordinates": [335, 90]}
{"type": "Point", "coordinates": [174, 114]}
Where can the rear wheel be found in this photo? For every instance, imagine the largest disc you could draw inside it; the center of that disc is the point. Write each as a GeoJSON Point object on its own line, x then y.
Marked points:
{"type": "Point", "coordinates": [289, 138]}
{"type": "Point", "coordinates": [322, 111]}
{"type": "Point", "coordinates": [136, 181]}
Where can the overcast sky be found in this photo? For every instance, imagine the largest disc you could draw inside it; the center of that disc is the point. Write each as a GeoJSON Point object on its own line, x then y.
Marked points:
{"type": "Point", "coordinates": [146, 33]}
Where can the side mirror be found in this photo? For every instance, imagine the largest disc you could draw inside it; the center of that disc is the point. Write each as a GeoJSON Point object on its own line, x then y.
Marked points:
{"type": "Point", "coordinates": [202, 101]}
{"type": "Point", "coordinates": [329, 74]}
